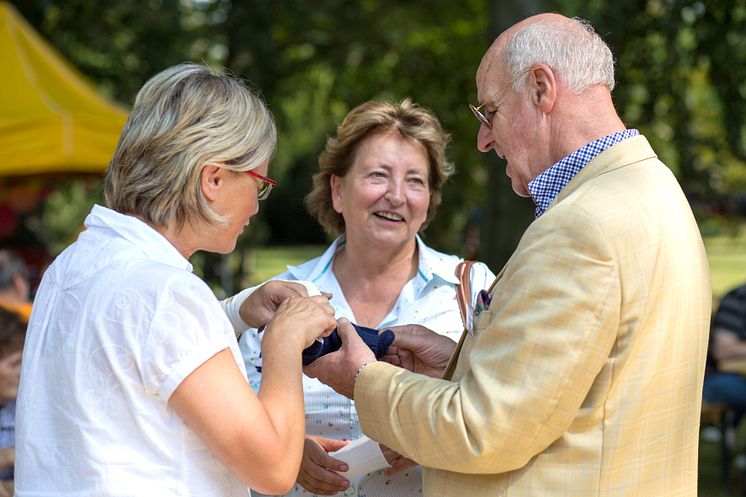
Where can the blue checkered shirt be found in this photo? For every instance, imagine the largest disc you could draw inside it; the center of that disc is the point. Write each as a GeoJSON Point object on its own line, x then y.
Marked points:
{"type": "Point", "coordinates": [7, 432]}
{"type": "Point", "coordinates": [546, 186]}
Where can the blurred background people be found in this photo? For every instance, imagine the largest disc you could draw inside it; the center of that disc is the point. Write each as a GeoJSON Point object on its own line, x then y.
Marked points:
{"type": "Point", "coordinates": [379, 183]}
{"type": "Point", "coordinates": [133, 381]}
{"type": "Point", "coordinates": [12, 334]}
{"type": "Point", "coordinates": [14, 283]}
{"type": "Point", "coordinates": [727, 383]}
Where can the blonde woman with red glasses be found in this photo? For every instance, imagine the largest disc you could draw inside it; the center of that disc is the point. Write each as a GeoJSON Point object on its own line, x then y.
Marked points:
{"type": "Point", "coordinates": [133, 382]}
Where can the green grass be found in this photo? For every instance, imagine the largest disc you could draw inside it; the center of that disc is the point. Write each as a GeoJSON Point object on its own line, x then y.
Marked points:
{"type": "Point", "coordinates": [710, 475]}
{"type": "Point", "coordinates": [271, 261]}
{"type": "Point", "coordinates": [727, 256]}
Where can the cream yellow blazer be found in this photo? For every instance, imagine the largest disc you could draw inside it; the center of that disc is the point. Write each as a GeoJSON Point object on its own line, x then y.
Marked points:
{"type": "Point", "coordinates": [584, 377]}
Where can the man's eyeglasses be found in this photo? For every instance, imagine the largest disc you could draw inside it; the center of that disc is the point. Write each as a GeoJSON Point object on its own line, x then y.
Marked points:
{"type": "Point", "coordinates": [487, 121]}
{"type": "Point", "coordinates": [264, 185]}
{"type": "Point", "coordinates": [484, 119]}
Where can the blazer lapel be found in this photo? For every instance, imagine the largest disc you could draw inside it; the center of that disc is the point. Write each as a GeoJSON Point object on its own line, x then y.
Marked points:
{"type": "Point", "coordinates": [623, 154]}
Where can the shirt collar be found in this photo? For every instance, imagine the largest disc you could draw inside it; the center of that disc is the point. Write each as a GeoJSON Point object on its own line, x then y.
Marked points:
{"type": "Point", "coordinates": [545, 187]}
{"type": "Point", "coordinates": [316, 268]}
{"type": "Point", "coordinates": [433, 263]}
{"type": "Point", "coordinates": [430, 264]}
{"type": "Point", "coordinates": [140, 234]}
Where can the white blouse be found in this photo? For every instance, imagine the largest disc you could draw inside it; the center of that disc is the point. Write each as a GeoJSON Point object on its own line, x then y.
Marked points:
{"type": "Point", "coordinates": [428, 299]}
{"type": "Point", "coordinates": [118, 322]}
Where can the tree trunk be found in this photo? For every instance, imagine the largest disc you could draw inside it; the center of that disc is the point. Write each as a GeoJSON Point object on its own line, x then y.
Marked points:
{"type": "Point", "coordinates": [506, 214]}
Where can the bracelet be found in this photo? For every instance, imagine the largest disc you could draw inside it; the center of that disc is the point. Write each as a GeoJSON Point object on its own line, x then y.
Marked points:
{"type": "Point", "coordinates": [354, 380]}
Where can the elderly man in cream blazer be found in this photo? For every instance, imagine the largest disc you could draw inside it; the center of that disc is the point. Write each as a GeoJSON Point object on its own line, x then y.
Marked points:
{"type": "Point", "coordinates": [583, 374]}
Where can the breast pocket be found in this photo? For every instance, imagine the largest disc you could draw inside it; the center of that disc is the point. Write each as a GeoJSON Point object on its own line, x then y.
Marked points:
{"type": "Point", "coordinates": [482, 320]}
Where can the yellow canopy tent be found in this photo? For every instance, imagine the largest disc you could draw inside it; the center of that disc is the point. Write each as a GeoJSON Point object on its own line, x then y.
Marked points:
{"type": "Point", "coordinates": [51, 119]}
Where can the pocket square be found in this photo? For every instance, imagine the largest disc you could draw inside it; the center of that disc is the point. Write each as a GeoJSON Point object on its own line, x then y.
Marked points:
{"type": "Point", "coordinates": [484, 299]}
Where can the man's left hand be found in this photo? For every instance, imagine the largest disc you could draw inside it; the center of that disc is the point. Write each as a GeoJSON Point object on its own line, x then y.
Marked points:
{"type": "Point", "coordinates": [339, 369]}
{"type": "Point", "coordinates": [397, 461]}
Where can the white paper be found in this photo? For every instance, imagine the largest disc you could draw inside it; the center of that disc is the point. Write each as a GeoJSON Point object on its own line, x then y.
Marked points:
{"type": "Point", "coordinates": [362, 456]}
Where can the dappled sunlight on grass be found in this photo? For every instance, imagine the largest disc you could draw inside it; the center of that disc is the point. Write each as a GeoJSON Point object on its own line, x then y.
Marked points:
{"type": "Point", "coordinates": [727, 255]}
{"type": "Point", "coordinates": [271, 261]}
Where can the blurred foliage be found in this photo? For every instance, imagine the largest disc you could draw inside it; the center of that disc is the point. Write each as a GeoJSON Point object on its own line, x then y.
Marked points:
{"type": "Point", "coordinates": [680, 80]}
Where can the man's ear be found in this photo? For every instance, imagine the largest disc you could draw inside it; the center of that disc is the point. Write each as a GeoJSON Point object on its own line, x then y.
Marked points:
{"type": "Point", "coordinates": [335, 183]}
{"type": "Point", "coordinates": [211, 180]}
{"type": "Point", "coordinates": [543, 87]}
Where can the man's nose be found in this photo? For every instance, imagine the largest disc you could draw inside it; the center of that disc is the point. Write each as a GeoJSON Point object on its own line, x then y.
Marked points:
{"type": "Point", "coordinates": [484, 138]}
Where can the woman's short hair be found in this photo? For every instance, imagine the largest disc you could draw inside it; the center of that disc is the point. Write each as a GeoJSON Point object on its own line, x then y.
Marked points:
{"type": "Point", "coordinates": [578, 54]}
{"type": "Point", "coordinates": [12, 332]}
{"type": "Point", "coordinates": [183, 118]}
{"type": "Point", "coordinates": [413, 122]}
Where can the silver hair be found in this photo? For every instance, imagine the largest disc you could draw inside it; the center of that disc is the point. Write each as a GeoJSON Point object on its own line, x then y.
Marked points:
{"type": "Point", "coordinates": [183, 118]}
{"type": "Point", "coordinates": [576, 53]}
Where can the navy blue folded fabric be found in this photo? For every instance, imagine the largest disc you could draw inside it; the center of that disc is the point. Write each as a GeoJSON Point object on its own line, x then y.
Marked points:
{"type": "Point", "coordinates": [379, 344]}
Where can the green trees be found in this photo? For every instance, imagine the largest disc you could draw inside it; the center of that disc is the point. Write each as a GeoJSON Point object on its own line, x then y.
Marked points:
{"type": "Point", "coordinates": [680, 79]}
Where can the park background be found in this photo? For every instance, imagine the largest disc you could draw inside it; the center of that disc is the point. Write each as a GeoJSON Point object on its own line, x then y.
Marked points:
{"type": "Point", "coordinates": [681, 80]}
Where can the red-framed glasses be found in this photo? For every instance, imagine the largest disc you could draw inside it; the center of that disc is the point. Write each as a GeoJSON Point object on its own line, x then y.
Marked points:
{"type": "Point", "coordinates": [264, 184]}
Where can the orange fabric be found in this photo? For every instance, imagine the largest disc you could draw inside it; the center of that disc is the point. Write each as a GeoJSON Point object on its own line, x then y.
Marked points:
{"type": "Point", "coordinates": [23, 309]}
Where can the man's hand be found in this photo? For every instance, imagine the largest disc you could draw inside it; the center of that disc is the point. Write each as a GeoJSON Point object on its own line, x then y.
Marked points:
{"type": "Point", "coordinates": [261, 305]}
{"type": "Point", "coordinates": [397, 461]}
{"type": "Point", "coordinates": [338, 369]}
{"type": "Point", "coordinates": [419, 350]}
{"type": "Point", "coordinates": [317, 468]}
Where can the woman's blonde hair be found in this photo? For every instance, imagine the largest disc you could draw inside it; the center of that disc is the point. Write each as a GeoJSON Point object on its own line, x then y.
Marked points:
{"type": "Point", "coordinates": [413, 122]}
{"type": "Point", "coordinates": [183, 118]}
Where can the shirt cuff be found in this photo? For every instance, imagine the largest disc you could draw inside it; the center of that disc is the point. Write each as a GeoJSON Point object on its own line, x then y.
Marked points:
{"type": "Point", "coordinates": [231, 307]}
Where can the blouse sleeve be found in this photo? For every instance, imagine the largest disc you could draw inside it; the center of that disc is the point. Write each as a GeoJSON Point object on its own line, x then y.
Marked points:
{"type": "Point", "coordinates": [188, 328]}
{"type": "Point", "coordinates": [231, 307]}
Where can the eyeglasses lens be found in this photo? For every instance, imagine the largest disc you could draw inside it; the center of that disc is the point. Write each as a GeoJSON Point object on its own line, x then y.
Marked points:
{"type": "Point", "coordinates": [262, 190]}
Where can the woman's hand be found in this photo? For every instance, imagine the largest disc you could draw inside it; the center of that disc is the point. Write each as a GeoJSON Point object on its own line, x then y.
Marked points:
{"type": "Point", "coordinates": [419, 350]}
{"type": "Point", "coordinates": [261, 305]}
{"type": "Point", "coordinates": [317, 469]}
{"type": "Point", "coordinates": [306, 318]}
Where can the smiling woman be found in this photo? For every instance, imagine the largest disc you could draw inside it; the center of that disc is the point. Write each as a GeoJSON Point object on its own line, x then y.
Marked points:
{"type": "Point", "coordinates": [385, 195]}
{"type": "Point", "coordinates": [379, 183]}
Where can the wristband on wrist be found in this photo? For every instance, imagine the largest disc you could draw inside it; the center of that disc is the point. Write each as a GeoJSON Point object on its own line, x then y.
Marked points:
{"type": "Point", "coordinates": [354, 380]}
